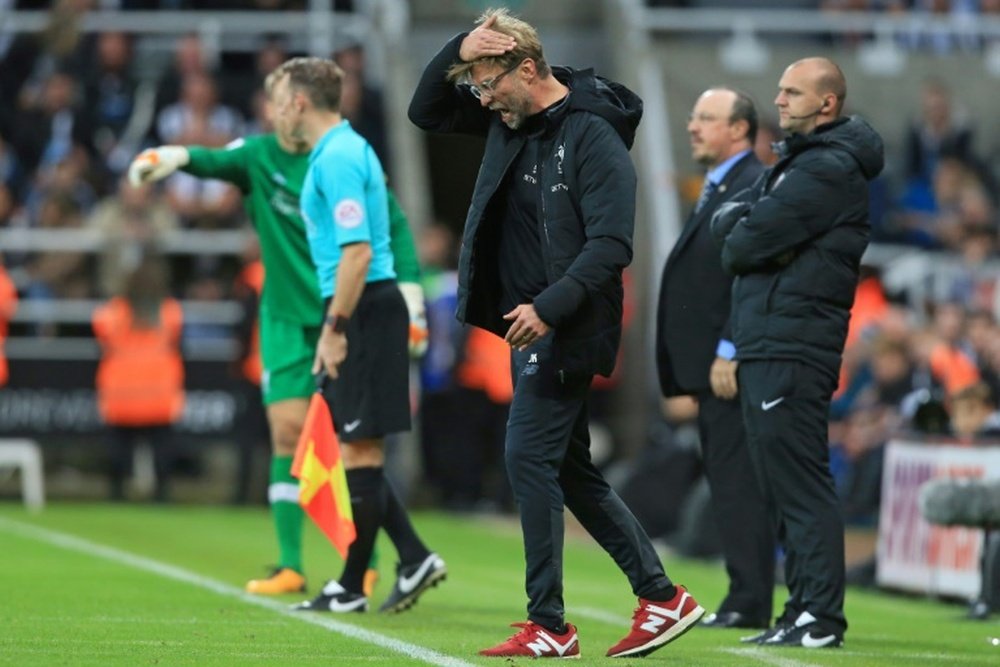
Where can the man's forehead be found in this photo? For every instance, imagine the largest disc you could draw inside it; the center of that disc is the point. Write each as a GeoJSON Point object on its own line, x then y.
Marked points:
{"type": "Point", "coordinates": [715, 100]}
{"type": "Point", "coordinates": [799, 76]}
{"type": "Point", "coordinates": [482, 71]}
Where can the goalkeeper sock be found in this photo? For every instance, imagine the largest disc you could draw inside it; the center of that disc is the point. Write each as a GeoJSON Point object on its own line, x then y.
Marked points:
{"type": "Point", "coordinates": [283, 494]}
{"type": "Point", "coordinates": [368, 506]}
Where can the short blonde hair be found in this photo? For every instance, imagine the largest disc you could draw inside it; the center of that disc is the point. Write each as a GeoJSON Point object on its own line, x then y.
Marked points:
{"type": "Point", "coordinates": [528, 46]}
{"type": "Point", "coordinates": [319, 78]}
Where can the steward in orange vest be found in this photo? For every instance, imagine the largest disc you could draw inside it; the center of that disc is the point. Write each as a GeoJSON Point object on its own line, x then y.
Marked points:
{"type": "Point", "coordinates": [140, 379]}
{"type": "Point", "coordinates": [8, 304]}
{"type": "Point", "coordinates": [251, 280]}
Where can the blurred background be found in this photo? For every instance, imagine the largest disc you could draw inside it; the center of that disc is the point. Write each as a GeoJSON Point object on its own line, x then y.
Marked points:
{"type": "Point", "coordinates": [87, 84]}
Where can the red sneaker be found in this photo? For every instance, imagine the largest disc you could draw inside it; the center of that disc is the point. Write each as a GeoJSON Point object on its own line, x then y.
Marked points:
{"type": "Point", "coordinates": [534, 641]}
{"type": "Point", "coordinates": [655, 624]}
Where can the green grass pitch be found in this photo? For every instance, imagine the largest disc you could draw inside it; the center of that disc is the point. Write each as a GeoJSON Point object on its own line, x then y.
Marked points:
{"type": "Point", "coordinates": [148, 585]}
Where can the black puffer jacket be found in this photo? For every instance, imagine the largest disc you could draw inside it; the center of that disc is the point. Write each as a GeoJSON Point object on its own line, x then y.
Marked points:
{"type": "Point", "coordinates": [586, 212]}
{"type": "Point", "coordinates": [795, 239]}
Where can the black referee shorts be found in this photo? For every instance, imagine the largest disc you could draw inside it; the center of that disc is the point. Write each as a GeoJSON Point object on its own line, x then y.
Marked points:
{"type": "Point", "coordinates": [371, 396]}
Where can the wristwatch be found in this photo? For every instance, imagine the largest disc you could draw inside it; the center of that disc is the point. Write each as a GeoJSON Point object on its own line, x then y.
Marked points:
{"type": "Point", "coordinates": [337, 322]}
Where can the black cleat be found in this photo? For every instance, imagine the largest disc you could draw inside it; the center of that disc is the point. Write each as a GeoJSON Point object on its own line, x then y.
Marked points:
{"type": "Point", "coordinates": [334, 598]}
{"type": "Point", "coordinates": [412, 581]}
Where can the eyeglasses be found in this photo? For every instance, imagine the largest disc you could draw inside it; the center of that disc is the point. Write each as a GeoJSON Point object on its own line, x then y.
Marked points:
{"type": "Point", "coordinates": [487, 87]}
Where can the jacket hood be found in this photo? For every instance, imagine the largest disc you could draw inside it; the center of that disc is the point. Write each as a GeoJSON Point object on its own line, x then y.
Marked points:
{"type": "Point", "coordinates": [852, 134]}
{"type": "Point", "coordinates": [610, 100]}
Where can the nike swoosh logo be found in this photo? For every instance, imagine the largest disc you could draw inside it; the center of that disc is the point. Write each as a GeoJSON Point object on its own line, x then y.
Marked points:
{"type": "Point", "coordinates": [350, 426]}
{"type": "Point", "coordinates": [407, 584]}
{"type": "Point", "coordinates": [809, 641]}
{"type": "Point", "coordinates": [767, 405]}
{"type": "Point", "coordinates": [337, 605]}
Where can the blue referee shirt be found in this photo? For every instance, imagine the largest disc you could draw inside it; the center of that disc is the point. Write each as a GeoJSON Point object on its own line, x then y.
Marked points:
{"type": "Point", "coordinates": [344, 201]}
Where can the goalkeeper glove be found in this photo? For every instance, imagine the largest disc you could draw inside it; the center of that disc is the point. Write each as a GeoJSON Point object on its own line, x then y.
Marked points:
{"type": "Point", "coordinates": [155, 164]}
{"type": "Point", "coordinates": [413, 294]}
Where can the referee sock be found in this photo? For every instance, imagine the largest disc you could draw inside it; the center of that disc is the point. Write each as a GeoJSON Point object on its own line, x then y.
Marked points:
{"type": "Point", "coordinates": [397, 525]}
{"type": "Point", "coordinates": [368, 507]}
{"type": "Point", "coordinates": [283, 494]}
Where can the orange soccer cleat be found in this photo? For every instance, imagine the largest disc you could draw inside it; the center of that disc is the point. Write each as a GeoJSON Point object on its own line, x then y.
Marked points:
{"type": "Point", "coordinates": [282, 580]}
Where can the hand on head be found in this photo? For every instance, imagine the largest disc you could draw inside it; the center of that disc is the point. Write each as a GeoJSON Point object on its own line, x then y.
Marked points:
{"type": "Point", "coordinates": [484, 42]}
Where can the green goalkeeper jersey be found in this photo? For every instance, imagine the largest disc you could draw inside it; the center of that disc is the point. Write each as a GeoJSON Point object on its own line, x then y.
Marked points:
{"type": "Point", "coordinates": [270, 179]}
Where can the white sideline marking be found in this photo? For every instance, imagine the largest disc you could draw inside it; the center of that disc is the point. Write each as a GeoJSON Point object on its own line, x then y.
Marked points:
{"type": "Point", "coordinates": [72, 543]}
{"type": "Point", "coordinates": [767, 657]}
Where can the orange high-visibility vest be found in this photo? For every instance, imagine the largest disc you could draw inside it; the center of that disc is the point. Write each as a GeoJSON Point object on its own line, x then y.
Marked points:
{"type": "Point", "coordinates": [252, 275]}
{"type": "Point", "coordinates": [8, 304]}
{"type": "Point", "coordinates": [486, 365]}
{"type": "Point", "coordinates": [140, 379]}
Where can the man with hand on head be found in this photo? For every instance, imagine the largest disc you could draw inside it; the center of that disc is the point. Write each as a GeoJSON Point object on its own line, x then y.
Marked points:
{"type": "Point", "coordinates": [548, 233]}
{"type": "Point", "coordinates": [694, 355]}
{"type": "Point", "coordinates": [794, 241]}
{"type": "Point", "coordinates": [269, 170]}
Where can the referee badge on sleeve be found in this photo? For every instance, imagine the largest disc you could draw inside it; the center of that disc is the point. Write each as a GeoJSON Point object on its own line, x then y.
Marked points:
{"type": "Point", "coordinates": [348, 213]}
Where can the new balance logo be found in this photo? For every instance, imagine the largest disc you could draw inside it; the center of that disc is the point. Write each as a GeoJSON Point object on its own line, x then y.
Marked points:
{"type": "Point", "coordinates": [546, 643]}
{"type": "Point", "coordinates": [652, 624]}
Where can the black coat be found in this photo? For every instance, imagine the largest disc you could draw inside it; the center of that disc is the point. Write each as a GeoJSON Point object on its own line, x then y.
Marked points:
{"type": "Point", "coordinates": [695, 293]}
{"type": "Point", "coordinates": [795, 242]}
{"type": "Point", "coordinates": [586, 210]}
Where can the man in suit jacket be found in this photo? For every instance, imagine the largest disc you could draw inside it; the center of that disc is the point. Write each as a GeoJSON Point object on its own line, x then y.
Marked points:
{"type": "Point", "coordinates": [695, 355]}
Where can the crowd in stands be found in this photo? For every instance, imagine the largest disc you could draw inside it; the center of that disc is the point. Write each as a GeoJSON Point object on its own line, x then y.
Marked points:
{"type": "Point", "coordinates": [78, 107]}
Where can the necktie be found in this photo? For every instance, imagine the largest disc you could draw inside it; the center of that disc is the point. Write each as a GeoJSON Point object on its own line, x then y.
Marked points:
{"type": "Point", "coordinates": [706, 192]}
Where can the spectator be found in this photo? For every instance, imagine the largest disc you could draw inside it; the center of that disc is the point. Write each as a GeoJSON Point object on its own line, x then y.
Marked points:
{"type": "Point", "coordinates": [48, 130]}
{"type": "Point", "coordinates": [140, 378]}
{"type": "Point", "coordinates": [974, 413]}
{"type": "Point", "coordinates": [243, 83]}
{"type": "Point", "coordinates": [950, 362]}
{"type": "Point", "coordinates": [12, 176]}
{"type": "Point", "coordinates": [121, 107]}
{"type": "Point", "coordinates": [941, 129]}
{"type": "Point", "coordinates": [58, 274]}
{"type": "Point", "coordinates": [189, 60]}
{"type": "Point", "coordinates": [8, 305]}
{"type": "Point", "coordinates": [198, 119]}
{"type": "Point", "coordinates": [134, 223]}
{"type": "Point", "coordinates": [69, 177]}
{"type": "Point", "coordinates": [768, 133]}
{"type": "Point", "coordinates": [363, 104]}
{"type": "Point", "coordinates": [252, 441]}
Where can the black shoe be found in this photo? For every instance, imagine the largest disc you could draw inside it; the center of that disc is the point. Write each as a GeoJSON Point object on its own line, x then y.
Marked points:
{"type": "Point", "coordinates": [733, 619]}
{"type": "Point", "coordinates": [807, 633]}
{"type": "Point", "coordinates": [412, 580]}
{"type": "Point", "coordinates": [781, 626]}
{"type": "Point", "coordinates": [334, 598]}
{"type": "Point", "coordinates": [979, 610]}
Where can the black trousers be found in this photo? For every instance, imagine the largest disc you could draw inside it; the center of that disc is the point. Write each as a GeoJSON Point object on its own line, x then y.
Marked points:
{"type": "Point", "coordinates": [122, 444]}
{"type": "Point", "coordinates": [738, 507]}
{"type": "Point", "coordinates": [547, 452]}
{"type": "Point", "coordinates": [786, 407]}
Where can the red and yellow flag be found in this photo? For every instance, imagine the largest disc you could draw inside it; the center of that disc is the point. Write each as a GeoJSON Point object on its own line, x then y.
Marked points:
{"type": "Point", "coordinates": [323, 491]}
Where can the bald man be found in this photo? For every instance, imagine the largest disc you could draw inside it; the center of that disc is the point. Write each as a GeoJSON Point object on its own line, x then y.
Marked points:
{"type": "Point", "coordinates": [694, 355]}
{"type": "Point", "coordinates": [794, 242]}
